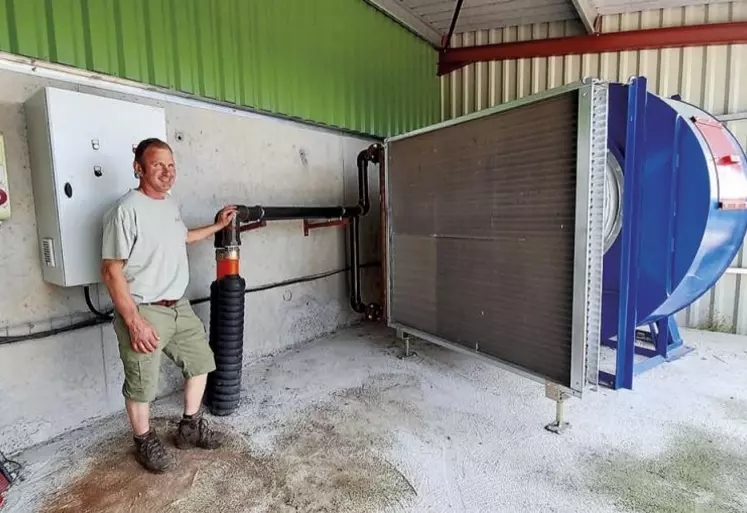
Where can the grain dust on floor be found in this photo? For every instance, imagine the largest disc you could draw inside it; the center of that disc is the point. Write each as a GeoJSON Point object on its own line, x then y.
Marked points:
{"type": "Point", "coordinates": [342, 425]}
{"type": "Point", "coordinates": [698, 472]}
{"type": "Point", "coordinates": [328, 459]}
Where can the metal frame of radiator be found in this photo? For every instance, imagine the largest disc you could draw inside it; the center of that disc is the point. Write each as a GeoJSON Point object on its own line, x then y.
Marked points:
{"type": "Point", "coordinates": [588, 246]}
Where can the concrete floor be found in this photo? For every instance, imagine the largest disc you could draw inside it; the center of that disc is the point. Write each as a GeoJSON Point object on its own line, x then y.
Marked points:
{"type": "Point", "coordinates": [343, 425]}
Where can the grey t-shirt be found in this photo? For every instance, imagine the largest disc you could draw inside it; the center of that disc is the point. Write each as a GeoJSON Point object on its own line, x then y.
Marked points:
{"type": "Point", "coordinates": [150, 235]}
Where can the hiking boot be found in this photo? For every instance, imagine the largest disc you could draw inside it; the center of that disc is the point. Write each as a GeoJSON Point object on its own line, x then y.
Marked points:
{"type": "Point", "coordinates": [152, 454]}
{"type": "Point", "coordinates": [195, 431]}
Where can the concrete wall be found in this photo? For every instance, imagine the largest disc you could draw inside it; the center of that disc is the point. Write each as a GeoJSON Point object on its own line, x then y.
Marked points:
{"type": "Point", "coordinates": [51, 385]}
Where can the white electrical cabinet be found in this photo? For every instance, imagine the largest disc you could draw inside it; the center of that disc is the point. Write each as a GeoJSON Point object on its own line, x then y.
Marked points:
{"type": "Point", "coordinates": [81, 150]}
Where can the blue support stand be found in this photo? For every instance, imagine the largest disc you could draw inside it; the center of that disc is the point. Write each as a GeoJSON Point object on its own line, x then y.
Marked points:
{"type": "Point", "coordinates": [663, 335]}
{"type": "Point", "coordinates": [635, 148]}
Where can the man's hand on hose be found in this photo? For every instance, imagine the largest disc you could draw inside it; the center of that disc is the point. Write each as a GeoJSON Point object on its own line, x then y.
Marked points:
{"type": "Point", "coordinates": [223, 219]}
{"type": "Point", "coordinates": [226, 215]}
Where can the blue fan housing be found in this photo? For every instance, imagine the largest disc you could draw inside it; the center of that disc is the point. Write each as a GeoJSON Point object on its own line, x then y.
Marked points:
{"type": "Point", "coordinates": [691, 223]}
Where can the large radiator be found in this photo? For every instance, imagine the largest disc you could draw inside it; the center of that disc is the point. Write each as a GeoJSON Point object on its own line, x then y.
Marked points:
{"type": "Point", "coordinates": [494, 233]}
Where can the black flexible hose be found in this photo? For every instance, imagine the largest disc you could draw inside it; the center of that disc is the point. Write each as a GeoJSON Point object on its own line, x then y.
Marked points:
{"type": "Point", "coordinates": [227, 298]}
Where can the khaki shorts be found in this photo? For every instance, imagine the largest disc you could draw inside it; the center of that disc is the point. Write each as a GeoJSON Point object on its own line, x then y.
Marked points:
{"type": "Point", "coordinates": [182, 339]}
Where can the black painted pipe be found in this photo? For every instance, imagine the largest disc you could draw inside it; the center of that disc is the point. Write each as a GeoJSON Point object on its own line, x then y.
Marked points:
{"type": "Point", "coordinates": [259, 213]}
{"type": "Point", "coordinates": [363, 157]}
{"type": "Point", "coordinates": [372, 310]}
{"type": "Point", "coordinates": [355, 267]}
{"type": "Point", "coordinates": [231, 235]}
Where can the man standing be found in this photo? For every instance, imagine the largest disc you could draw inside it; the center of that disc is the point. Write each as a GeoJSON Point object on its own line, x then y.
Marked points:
{"type": "Point", "coordinates": [146, 272]}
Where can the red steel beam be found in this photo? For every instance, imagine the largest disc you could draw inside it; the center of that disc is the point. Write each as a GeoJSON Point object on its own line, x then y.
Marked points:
{"type": "Point", "coordinates": [670, 37]}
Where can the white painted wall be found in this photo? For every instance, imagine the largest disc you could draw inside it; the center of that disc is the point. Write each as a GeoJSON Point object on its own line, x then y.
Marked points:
{"type": "Point", "coordinates": [51, 385]}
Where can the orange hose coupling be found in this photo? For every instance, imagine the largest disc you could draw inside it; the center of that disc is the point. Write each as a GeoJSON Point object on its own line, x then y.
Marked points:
{"type": "Point", "coordinates": [227, 261]}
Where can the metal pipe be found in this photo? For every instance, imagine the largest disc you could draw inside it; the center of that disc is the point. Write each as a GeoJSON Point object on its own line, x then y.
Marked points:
{"type": "Point", "coordinates": [364, 203]}
{"type": "Point", "coordinates": [384, 239]}
{"type": "Point", "coordinates": [559, 413]}
{"type": "Point", "coordinates": [248, 217]}
{"type": "Point", "coordinates": [454, 18]}
{"type": "Point", "coordinates": [355, 268]}
{"type": "Point", "coordinates": [259, 213]}
{"type": "Point", "coordinates": [373, 154]}
{"type": "Point", "coordinates": [307, 226]}
{"type": "Point", "coordinates": [227, 262]}
{"type": "Point", "coordinates": [256, 225]}
{"type": "Point", "coordinates": [669, 37]}
{"type": "Point", "coordinates": [230, 236]}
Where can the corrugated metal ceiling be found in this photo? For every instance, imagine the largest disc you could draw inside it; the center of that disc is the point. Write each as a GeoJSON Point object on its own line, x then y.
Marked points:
{"type": "Point", "coordinates": [486, 14]}
{"type": "Point", "coordinates": [432, 18]}
{"type": "Point", "coordinates": [624, 6]}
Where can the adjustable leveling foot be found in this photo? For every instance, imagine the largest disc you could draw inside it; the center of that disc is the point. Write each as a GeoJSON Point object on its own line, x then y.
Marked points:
{"type": "Point", "coordinates": [553, 392]}
{"type": "Point", "coordinates": [406, 338]}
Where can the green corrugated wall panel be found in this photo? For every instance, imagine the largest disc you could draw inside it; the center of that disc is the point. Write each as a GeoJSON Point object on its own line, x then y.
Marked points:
{"type": "Point", "coordinates": [335, 62]}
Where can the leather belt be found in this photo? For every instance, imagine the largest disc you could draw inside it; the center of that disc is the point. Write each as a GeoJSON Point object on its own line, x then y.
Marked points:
{"type": "Point", "coordinates": [165, 302]}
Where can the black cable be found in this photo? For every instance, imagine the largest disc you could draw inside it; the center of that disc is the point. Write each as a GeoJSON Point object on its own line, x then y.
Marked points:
{"type": "Point", "coordinates": [56, 331]}
{"type": "Point", "coordinates": [5, 469]}
{"type": "Point", "coordinates": [104, 315]}
{"type": "Point", "coordinates": [293, 281]}
{"type": "Point", "coordinates": [98, 320]}
{"type": "Point", "coordinates": [15, 468]}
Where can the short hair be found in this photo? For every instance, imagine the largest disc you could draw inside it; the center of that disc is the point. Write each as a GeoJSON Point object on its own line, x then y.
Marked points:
{"type": "Point", "coordinates": [143, 146]}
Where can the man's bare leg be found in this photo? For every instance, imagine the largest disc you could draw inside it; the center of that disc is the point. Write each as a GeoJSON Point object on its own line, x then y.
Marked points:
{"type": "Point", "coordinates": [193, 429]}
{"type": "Point", "coordinates": [194, 389]}
{"type": "Point", "coordinates": [151, 453]}
{"type": "Point", "coordinates": [139, 414]}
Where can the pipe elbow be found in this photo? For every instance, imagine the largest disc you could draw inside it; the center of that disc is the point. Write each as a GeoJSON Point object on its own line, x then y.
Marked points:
{"type": "Point", "coordinates": [357, 306]}
{"type": "Point", "coordinates": [364, 207]}
{"type": "Point", "coordinates": [362, 158]}
{"type": "Point", "coordinates": [244, 213]}
{"type": "Point", "coordinates": [370, 154]}
{"type": "Point", "coordinates": [230, 235]}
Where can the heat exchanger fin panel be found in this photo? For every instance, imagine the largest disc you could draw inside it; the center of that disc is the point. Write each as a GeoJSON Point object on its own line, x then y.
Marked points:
{"type": "Point", "coordinates": [482, 234]}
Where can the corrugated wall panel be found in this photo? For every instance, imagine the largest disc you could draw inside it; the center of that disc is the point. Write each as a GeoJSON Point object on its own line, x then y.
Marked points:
{"type": "Point", "coordinates": [714, 78]}
{"type": "Point", "coordinates": [335, 62]}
